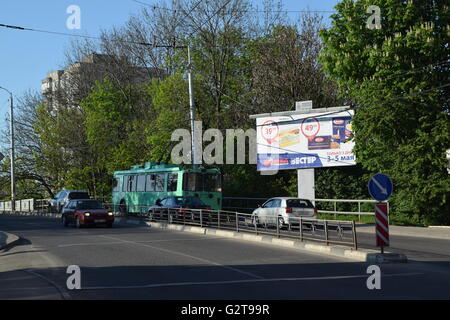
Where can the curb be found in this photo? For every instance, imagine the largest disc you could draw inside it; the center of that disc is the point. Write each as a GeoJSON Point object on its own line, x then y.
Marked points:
{"type": "Point", "coordinates": [336, 251]}
{"type": "Point", "coordinates": [378, 258]}
{"type": "Point", "coordinates": [32, 214]}
{"type": "Point", "coordinates": [7, 239]}
{"type": "Point", "coordinates": [440, 232]}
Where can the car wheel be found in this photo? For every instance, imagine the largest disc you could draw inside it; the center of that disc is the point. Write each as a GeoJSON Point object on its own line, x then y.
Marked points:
{"type": "Point", "coordinates": [64, 221]}
{"type": "Point", "coordinates": [280, 222]}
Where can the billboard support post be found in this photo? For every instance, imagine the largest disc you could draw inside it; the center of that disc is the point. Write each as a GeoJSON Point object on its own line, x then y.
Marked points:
{"type": "Point", "coordinates": [305, 177]}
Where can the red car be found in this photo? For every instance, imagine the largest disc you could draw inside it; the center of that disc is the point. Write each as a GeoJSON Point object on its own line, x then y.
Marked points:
{"type": "Point", "coordinates": [86, 212]}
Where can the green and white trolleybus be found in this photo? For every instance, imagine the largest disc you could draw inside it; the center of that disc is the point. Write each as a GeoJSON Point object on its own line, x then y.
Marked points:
{"type": "Point", "coordinates": [136, 189]}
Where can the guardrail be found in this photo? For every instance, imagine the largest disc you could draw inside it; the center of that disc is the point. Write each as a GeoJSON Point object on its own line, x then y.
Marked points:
{"type": "Point", "coordinates": [326, 231]}
{"type": "Point", "coordinates": [250, 204]}
{"type": "Point", "coordinates": [26, 205]}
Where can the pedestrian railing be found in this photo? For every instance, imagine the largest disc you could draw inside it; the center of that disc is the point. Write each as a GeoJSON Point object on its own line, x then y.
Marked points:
{"type": "Point", "coordinates": [325, 206]}
{"type": "Point", "coordinates": [27, 205]}
{"type": "Point", "coordinates": [300, 228]}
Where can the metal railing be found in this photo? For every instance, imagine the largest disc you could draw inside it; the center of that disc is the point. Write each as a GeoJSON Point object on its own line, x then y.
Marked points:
{"type": "Point", "coordinates": [299, 228]}
{"type": "Point", "coordinates": [359, 213]}
{"type": "Point", "coordinates": [26, 205]}
{"type": "Point", "coordinates": [250, 204]}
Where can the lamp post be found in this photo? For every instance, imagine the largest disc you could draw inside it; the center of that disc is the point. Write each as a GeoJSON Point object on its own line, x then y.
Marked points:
{"type": "Point", "coordinates": [11, 130]}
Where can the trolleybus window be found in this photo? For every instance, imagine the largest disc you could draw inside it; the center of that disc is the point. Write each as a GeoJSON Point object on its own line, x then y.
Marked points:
{"type": "Point", "coordinates": [212, 183]}
{"type": "Point", "coordinates": [209, 182]}
{"type": "Point", "coordinates": [140, 183]}
{"type": "Point", "coordinates": [116, 185]}
{"type": "Point", "coordinates": [159, 185]}
{"type": "Point", "coordinates": [150, 183]}
{"type": "Point", "coordinates": [172, 180]}
{"type": "Point", "coordinates": [131, 183]}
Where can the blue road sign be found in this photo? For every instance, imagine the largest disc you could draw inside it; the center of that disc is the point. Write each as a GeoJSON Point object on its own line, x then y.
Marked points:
{"type": "Point", "coordinates": [380, 187]}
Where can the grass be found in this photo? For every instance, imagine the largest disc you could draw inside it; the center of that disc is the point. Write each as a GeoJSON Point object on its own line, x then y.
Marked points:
{"type": "Point", "coordinates": [343, 217]}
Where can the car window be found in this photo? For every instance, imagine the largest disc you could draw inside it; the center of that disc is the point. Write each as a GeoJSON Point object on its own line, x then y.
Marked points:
{"type": "Point", "coordinates": [93, 204]}
{"type": "Point", "coordinates": [164, 202]}
{"type": "Point", "coordinates": [188, 201]}
{"type": "Point", "coordinates": [276, 203]}
{"type": "Point", "coordinates": [61, 195]}
{"type": "Point", "coordinates": [78, 195]}
{"type": "Point", "coordinates": [299, 203]}
{"type": "Point", "coordinates": [268, 204]}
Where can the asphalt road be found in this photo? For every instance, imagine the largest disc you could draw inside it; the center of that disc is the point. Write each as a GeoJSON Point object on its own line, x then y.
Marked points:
{"type": "Point", "coordinates": [133, 262]}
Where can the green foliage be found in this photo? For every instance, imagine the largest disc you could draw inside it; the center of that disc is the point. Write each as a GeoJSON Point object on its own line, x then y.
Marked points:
{"type": "Point", "coordinates": [395, 73]}
{"type": "Point", "coordinates": [171, 102]}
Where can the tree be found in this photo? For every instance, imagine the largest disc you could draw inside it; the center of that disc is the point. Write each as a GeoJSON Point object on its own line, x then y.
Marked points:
{"type": "Point", "coordinates": [396, 76]}
{"type": "Point", "coordinates": [285, 67]}
{"type": "Point", "coordinates": [115, 124]}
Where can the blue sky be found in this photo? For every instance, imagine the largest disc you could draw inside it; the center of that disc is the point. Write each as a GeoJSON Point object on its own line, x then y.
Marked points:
{"type": "Point", "coordinates": [26, 57]}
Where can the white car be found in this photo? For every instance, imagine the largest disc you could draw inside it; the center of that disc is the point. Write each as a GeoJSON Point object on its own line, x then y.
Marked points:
{"type": "Point", "coordinates": [284, 211]}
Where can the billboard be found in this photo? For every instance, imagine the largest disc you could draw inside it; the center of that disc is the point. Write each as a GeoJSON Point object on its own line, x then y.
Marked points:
{"type": "Point", "coordinates": [299, 141]}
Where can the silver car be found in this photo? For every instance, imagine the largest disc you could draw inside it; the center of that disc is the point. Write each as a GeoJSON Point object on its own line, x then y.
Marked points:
{"type": "Point", "coordinates": [284, 211]}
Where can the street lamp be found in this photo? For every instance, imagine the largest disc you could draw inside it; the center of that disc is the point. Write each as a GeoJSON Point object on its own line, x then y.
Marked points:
{"type": "Point", "coordinates": [11, 130]}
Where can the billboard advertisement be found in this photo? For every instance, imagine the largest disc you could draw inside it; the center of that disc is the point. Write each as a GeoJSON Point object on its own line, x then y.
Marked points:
{"type": "Point", "coordinates": [305, 141]}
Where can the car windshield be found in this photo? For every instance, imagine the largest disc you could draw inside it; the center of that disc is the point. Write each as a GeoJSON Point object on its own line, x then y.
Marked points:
{"type": "Point", "coordinates": [83, 205]}
{"type": "Point", "coordinates": [299, 203]}
{"type": "Point", "coordinates": [78, 195]}
{"type": "Point", "coordinates": [188, 201]}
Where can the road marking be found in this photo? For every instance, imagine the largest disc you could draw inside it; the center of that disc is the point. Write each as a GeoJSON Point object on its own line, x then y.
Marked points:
{"type": "Point", "coordinates": [203, 283]}
{"type": "Point", "coordinates": [61, 291]}
{"type": "Point", "coordinates": [146, 241]}
{"type": "Point", "coordinates": [189, 256]}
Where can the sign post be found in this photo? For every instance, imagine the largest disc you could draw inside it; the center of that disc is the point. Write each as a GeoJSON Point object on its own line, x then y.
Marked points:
{"type": "Point", "coordinates": [380, 188]}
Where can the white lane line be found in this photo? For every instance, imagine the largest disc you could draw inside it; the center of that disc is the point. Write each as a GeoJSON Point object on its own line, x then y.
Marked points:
{"type": "Point", "coordinates": [189, 256]}
{"type": "Point", "coordinates": [121, 242]}
{"type": "Point", "coordinates": [203, 283]}
{"type": "Point", "coordinates": [63, 294]}
{"type": "Point", "coordinates": [87, 244]}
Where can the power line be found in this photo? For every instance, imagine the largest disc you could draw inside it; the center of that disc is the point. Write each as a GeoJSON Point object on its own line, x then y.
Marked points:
{"type": "Point", "coordinates": [82, 36]}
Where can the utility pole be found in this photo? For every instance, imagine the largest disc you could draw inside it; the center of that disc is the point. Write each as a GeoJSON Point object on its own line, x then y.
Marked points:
{"type": "Point", "coordinates": [192, 111]}
{"type": "Point", "coordinates": [11, 130]}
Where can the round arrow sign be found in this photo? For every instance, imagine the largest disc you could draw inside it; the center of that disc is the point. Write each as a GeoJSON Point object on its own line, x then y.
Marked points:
{"type": "Point", "coordinates": [380, 187]}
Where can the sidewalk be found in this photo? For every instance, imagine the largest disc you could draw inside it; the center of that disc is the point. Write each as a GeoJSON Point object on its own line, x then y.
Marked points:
{"type": "Point", "coordinates": [430, 232]}
{"type": "Point", "coordinates": [7, 239]}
